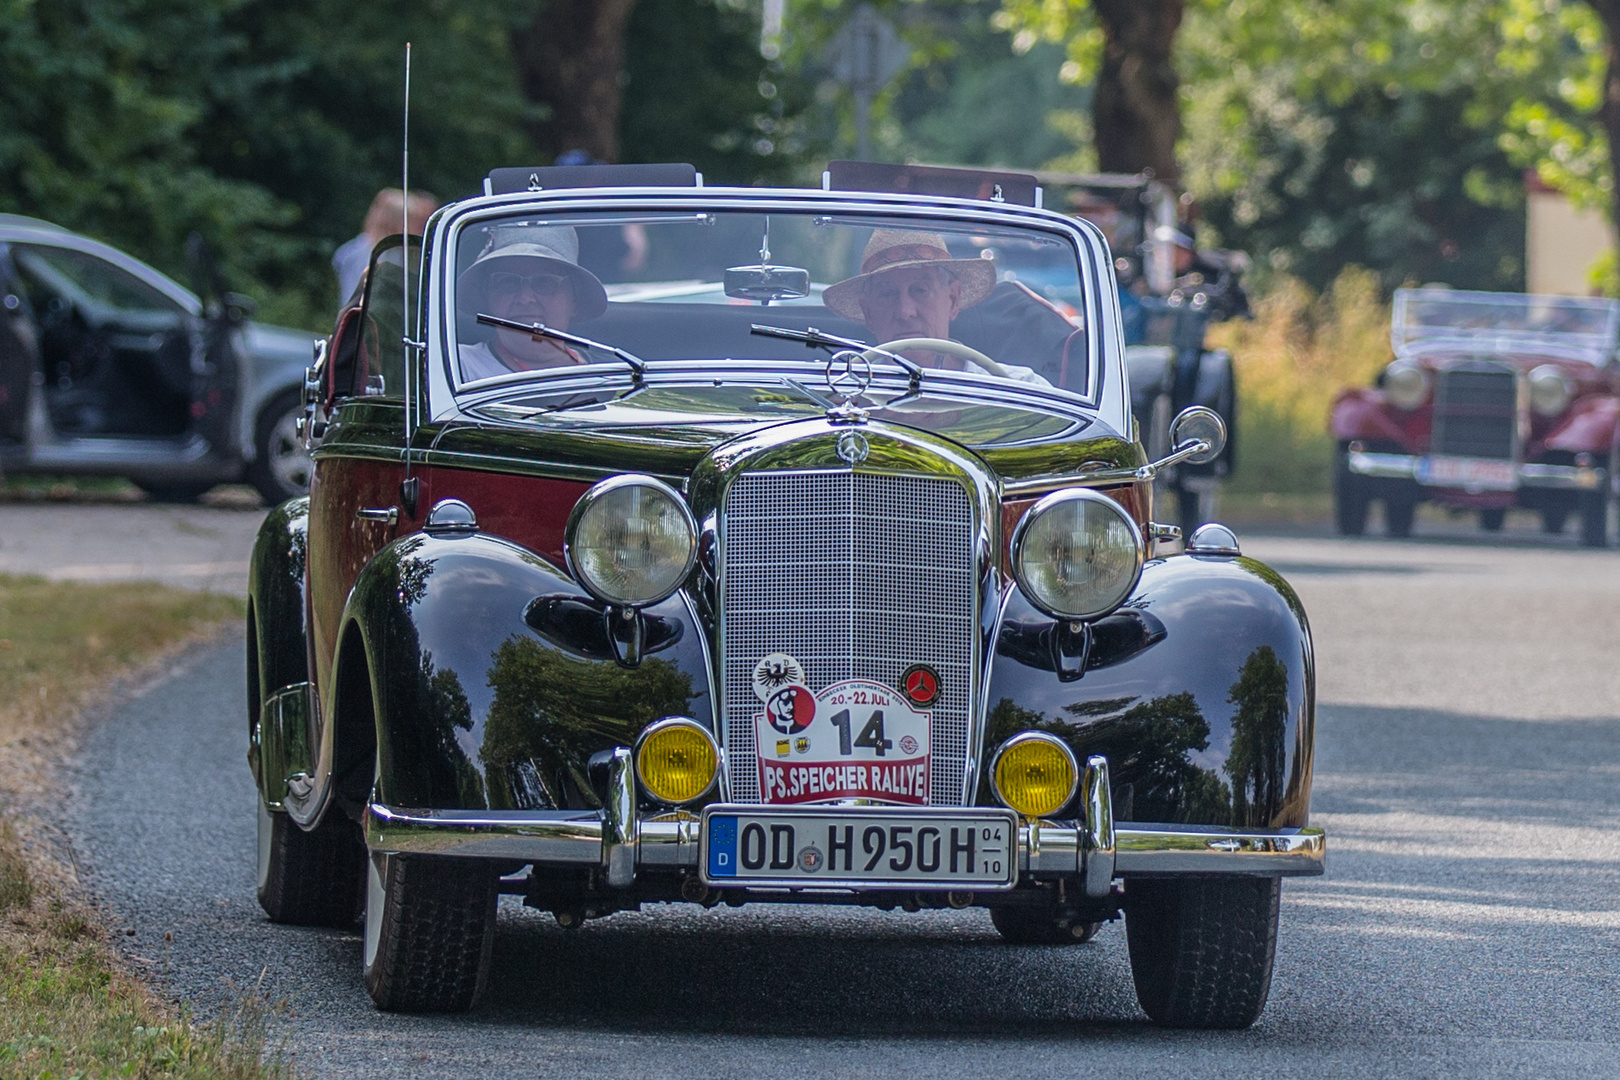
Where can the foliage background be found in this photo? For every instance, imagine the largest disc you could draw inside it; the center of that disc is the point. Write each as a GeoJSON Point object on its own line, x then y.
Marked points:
{"type": "Point", "coordinates": [1318, 135]}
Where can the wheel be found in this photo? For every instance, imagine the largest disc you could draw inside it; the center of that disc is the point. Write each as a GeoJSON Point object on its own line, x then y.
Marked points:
{"type": "Point", "coordinates": [1033, 926]}
{"type": "Point", "coordinates": [1493, 519]}
{"type": "Point", "coordinates": [281, 468]}
{"type": "Point", "coordinates": [1399, 510]}
{"type": "Point", "coordinates": [175, 492]}
{"type": "Point", "coordinates": [1201, 949]}
{"type": "Point", "coordinates": [310, 878]}
{"type": "Point", "coordinates": [430, 924]}
{"type": "Point", "coordinates": [1595, 519]}
{"type": "Point", "coordinates": [1350, 497]}
{"type": "Point", "coordinates": [1554, 519]}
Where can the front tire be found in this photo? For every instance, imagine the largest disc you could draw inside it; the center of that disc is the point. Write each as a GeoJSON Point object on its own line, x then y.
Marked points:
{"type": "Point", "coordinates": [1399, 512]}
{"type": "Point", "coordinates": [1202, 949]}
{"type": "Point", "coordinates": [310, 878]}
{"type": "Point", "coordinates": [1350, 497]}
{"type": "Point", "coordinates": [1493, 519]}
{"type": "Point", "coordinates": [281, 467]}
{"type": "Point", "coordinates": [1595, 519]}
{"type": "Point", "coordinates": [1033, 926]}
{"type": "Point", "coordinates": [430, 926]}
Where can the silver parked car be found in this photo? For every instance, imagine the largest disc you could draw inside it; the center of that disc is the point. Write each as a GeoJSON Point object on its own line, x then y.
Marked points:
{"type": "Point", "coordinates": [109, 367]}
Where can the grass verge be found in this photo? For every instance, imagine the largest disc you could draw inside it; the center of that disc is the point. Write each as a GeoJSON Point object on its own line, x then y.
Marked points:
{"type": "Point", "coordinates": [67, 1007]}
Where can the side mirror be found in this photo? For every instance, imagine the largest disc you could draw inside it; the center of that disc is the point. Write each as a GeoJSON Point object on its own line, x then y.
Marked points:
{"type": "Point", "coordinates": [766, 283]}
{"type": "Point", "coordinates": [1194, 425]}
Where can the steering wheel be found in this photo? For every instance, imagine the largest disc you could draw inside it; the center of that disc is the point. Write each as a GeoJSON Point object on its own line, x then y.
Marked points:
{"type": "Point", "coordinates": [934, 344]}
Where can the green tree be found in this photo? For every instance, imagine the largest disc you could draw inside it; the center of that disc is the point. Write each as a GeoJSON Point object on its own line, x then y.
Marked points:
{"type": "Point", "coordinates": [1259, 750]}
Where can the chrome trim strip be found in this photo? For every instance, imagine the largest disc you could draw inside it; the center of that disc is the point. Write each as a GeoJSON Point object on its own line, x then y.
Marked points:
{"type": "Point", "coordinates": [1103, 393]}
{"type": "Point", "coordinates": [1561, 477]}
{"type": "Point", "coordinates": [704, 633]}
{"type": "Point", "coordinates": [551, 470]}
{"type": "Point", "coordinates": [671, 841]}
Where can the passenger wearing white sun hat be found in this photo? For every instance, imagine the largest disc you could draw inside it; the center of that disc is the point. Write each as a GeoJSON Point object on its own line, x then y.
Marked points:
{"type": "Point", "coordinates": [529, 274]}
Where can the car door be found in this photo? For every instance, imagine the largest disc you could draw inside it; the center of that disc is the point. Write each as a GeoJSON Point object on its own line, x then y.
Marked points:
{"type": "Point", "coordinates": [355, 506]}
{"type": "Point", "coordinates": [123, 352]}
{"type": "Point", "coordinates": [18, 357]}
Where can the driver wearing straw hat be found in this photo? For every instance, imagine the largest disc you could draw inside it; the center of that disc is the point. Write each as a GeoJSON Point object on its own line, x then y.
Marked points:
{"type": "Point", "coordinates": [529, 274]}
{"type": "Point", "coordinates": [910, 287]}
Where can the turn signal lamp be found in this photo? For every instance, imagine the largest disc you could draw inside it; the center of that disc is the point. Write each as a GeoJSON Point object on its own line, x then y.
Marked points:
{"type": "Point", "coordinates": [677, 761]}
{"type": "Point", "coordinates": [1035, 774]}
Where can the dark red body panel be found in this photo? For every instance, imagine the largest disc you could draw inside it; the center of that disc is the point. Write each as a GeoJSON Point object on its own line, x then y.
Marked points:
{"type": "Point", "coordinates": [341, 544]}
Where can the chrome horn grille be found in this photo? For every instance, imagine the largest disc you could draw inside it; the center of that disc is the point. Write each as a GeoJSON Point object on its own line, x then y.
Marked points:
{"type": "Point", "coordinates": [855, 575]}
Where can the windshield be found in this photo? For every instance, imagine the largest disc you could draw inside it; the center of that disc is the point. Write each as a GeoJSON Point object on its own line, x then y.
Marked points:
{"type": "Point", "coordinates": [1504, 322]}
{"type": "Point", "coordinates": [627, 290]}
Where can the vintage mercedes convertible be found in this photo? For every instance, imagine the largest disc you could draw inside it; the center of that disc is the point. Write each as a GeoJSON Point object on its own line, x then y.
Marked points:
{"type": "Point", "coordinates": [728, 546]}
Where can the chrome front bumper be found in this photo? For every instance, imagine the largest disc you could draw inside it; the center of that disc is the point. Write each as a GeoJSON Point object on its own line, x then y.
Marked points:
{"type": "Point", "coordinates": [1531, 475]}
{"type": "Point", "coordinates": [623, 843]}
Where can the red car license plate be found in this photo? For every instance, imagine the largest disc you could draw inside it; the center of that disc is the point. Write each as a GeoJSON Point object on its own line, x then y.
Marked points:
{"type": "Point", "coordinates": [1474, 474]}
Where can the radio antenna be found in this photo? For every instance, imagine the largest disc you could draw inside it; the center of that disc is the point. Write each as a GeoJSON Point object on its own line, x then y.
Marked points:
{"type": "Point", "coordinates": [408, 487]}
{"type": "Point", "coordinates": [405, 201]}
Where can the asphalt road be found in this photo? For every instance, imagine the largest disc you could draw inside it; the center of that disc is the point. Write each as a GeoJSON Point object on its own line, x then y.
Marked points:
{"type": "Point", "coordinates": [1468, 774]}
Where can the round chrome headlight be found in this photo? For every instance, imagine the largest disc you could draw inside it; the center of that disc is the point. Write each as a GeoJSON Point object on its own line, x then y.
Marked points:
{"type": "Point", "coordinates": [630, 541]}
{"type": "Point", "coordinates": [1077, 554]}
{"type": "Point", "coordinates": [1550, 390]}
{"type": "Point", "coordinates": [1406, 385]}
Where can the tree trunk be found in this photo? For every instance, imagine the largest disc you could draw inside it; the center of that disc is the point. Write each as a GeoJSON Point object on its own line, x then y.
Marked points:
{"type": "Point", "coordinates": [1609, 111]}
{"type": "Point", "coordinates": [570, 58]}
{"type": "Point", "coordinates": [1136, 111]}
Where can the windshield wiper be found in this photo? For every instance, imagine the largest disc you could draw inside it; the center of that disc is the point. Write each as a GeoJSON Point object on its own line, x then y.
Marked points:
{"type": "Point", "coordinates": [820, 339]}
{"type": "Point", "coordinates": [638, 366]}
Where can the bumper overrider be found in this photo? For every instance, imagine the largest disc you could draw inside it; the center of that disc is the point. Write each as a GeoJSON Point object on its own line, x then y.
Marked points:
{"type": "Point", "coordinates": [625, 843]}
{"type": "Point", "coordinates": [1527, 474]}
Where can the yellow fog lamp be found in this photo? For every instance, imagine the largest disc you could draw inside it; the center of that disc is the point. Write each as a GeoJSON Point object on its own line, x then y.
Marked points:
{"type": "Point", "coordinates": [1035, 774]}
{"type": "Point", "coordinates": [677, 761]}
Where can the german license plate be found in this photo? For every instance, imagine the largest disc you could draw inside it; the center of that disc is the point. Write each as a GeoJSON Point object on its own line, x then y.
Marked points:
{"type": "Point", "coordinates": [1474, 474]}
{"type": "Point", "coordinates": [860, 847]}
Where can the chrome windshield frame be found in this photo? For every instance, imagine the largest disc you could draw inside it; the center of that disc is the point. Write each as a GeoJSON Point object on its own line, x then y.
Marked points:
{"type": "Point", "coordinates": [1107, 395]}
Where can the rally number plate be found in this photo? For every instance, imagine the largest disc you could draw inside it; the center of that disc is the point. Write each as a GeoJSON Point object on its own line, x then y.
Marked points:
{"type": "Point", "coordinates": [1473, 474]}
{"type": "Point", "coordinates": [859, 847]}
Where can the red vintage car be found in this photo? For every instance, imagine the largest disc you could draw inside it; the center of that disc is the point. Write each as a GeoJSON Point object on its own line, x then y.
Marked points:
{"type": "Point", "coordinates": [1493, 400]}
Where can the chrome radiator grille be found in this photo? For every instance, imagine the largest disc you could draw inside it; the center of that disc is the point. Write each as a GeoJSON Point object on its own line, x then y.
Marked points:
{"type": "Point", "coordinates": [1476, 412]}
{"type": "Point", "coordinates": [856, 576]}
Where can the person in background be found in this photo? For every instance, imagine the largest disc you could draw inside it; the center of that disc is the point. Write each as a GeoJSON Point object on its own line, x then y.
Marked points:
{"type": "Point", "coordinates": [388, 209]}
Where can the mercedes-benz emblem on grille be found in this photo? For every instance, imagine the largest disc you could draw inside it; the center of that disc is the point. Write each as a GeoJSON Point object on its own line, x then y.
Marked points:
{"type": "Point", "coordinates": [852, 447]}
{"type": "Point", "coordinates": [849, 373]}
{"type": "Point", "coordinates": [920, 684]}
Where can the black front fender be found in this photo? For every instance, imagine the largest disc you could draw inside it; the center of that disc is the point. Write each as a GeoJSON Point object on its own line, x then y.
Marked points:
{"type": "Point", "coordinates": [278, 655]}
{"type": "Point", "coordinates": [494, 677]}
{"type": "Point", "coordinates": [1200, 691]}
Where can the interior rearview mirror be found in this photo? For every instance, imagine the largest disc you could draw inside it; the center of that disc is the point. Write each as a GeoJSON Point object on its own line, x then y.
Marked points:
{"type": "Point", "coordinates": [1197, 424]}
{"type": "Point", "coordinates": [767, 283]}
